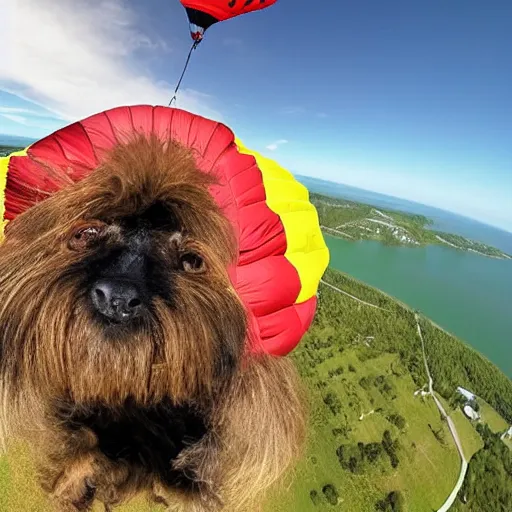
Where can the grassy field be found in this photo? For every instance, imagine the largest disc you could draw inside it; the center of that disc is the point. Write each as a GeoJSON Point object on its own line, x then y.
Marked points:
{"type": "Point", "coordinates": [369, 433]}
{"type": "Point", "coordinates": [470, 439]}
{"type": "Point", "coordinates": [422, 456]}
{"type": "Point", "coordinates": [492, 418]}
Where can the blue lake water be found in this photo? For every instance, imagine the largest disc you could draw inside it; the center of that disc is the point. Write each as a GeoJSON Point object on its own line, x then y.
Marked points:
{"type": "Point", "coordinates": [466, 294]}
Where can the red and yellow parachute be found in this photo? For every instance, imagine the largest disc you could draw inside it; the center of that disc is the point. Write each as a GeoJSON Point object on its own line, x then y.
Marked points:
{"type": "Point", "coordinates": [282, 253]}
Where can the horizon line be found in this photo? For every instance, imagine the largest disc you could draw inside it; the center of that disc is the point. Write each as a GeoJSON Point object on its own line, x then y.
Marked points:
{"type": "Point", "coordinates": [465, 216]}
{"type": "Point", "coordinates": [473, 219]}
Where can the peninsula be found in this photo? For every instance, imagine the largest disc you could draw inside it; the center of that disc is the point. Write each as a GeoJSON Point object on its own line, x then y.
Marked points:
{"type": "Point", "coordinates": [356, 221]}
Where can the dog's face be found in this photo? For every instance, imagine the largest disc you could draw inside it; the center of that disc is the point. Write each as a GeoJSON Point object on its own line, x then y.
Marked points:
{"type": "Point", "coordinates": [117, 286]}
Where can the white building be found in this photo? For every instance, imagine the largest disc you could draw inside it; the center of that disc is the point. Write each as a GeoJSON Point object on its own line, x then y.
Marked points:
{"type": "Point", "coordinates": [466, 393]}
{"type": "Point", "coordinates": [507, 434]}
{"type": "Point", "coordinates": [471, 413]}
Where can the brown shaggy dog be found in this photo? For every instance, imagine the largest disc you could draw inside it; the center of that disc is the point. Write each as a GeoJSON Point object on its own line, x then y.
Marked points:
{"type": "Point", "coordinates": [123, 356]}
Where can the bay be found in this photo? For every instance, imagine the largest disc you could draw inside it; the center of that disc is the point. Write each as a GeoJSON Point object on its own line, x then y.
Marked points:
{"type": "Point", "coordinates": [466, 294]}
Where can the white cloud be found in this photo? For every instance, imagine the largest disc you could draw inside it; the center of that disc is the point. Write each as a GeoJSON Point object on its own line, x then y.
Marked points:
{"type": "Point", "coordinates": [276, 144]}
{"type": "Point", "coordinates": [35, 121]}
{"type": "Point", "coordinates": [18, 110]}
{"type": "Point", "coordinates": [81, 57]}
{"type": "Point", "coordinates": [16, 118]}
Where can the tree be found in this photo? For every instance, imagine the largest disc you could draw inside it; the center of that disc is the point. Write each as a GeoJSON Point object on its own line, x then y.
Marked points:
{"type": "Point", "coordinates": [315, 497]}
{"type": "Point", "coordinates": [331, 494]}
{"type": "Point", "coordinates": [373, 451]}
{"type": "Point", "coordinates": [397, 420]}
{"type": "Point", "coordinates": [397, 501]}
{"type": "Point", "coordinates": [352, 464]}
{"type": "Point", "coordinates": [390, 447]}
{"type": "Point", "coordinates": [333, 402]}
{"type": "Point", "coordinates": [487, 483]}
{"type": "Point", "coordinates": [365, 383]}
{"type": "Point", "coordinates": [393, 502]}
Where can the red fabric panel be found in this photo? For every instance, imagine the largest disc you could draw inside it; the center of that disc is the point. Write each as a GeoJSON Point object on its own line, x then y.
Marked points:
{"type": "Point", "coordinates": [306, 312]}
{"type": "Point", "coordinates": [120, 120]}
{"type": "Point", "coordinates": [258, 224]}
{"type": "Point", "coordinates": [27, 184]}
{"type": "Point", "coordinates": [180, 125]}
{"type": "Point", "coordinates": [76, 146]}
{"type": "Point", "coordinates": [213, 148]}
{"type": "Point", "coordinates": [246, 185]}
{"type": "Point", "coordinates": [221, 10]}
{"type": "Point", "coordinates": [100, 133]}
{"type": "Point", "coordinates": [142, 118]}
{"type": "Point", "coordinates": [282, 331]}
{"type": "Point", "coordinates": [162, 119]}
{"type": "Point", "coordinates": [261, 230]}
{"type": "Point", "coordinates": [279, 332]}
{"type": "Point", "coordinates": [49, 150]}
{"type": "Point", "coordinates": [268, 284]}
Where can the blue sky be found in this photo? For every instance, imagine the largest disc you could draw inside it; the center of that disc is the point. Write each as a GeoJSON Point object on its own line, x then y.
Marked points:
{"type": "Point", "coordinates": [412, 99]}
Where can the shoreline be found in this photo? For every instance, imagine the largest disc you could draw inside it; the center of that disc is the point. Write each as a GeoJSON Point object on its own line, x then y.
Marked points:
{"type": "Point", "coordinates": [444, 243]}
{"type": "Point", "coordinates": [355, 220]}
{"type": "Point", "coordinates": [411, 310]}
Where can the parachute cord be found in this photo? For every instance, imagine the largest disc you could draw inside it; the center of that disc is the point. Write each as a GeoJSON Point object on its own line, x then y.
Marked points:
{"type": "Point", "coordinates": [194, 46]}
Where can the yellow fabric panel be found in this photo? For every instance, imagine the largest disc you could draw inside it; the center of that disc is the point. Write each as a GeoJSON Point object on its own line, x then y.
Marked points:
{"type": "Point", "coordinates": [306, 248]}
{"type": "Point", "coordinates": [4, 169]}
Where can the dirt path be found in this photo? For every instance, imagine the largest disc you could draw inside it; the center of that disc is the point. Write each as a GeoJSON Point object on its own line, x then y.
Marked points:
{"type": "Point", "coordinates": [352, 296]}
{"type": "Point", "coordinates": [421, 449]}
{"type": "Point", "coordinates": [378, 212]}
{"type": "Point", "coordinates": [464, 465]}
{"type": "Point", "coordinates": [448, 243]}
{"type": "Point", "coordinates": [383, 223]}
{"type": "Point", "coordinates": [336, 230]}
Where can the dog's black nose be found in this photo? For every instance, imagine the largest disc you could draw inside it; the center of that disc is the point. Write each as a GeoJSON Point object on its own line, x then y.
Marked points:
{"type": "Point", "coordinates": [116, 299]}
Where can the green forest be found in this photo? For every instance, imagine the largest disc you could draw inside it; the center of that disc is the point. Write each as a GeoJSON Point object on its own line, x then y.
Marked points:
{"type": "Point", "coordinates": [488, 483]}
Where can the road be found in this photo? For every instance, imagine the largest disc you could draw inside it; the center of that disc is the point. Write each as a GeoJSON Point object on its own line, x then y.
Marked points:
{"type": "Point", "coordinates": [352, 296]}
{"type": "Point", "coordinates": [464, 464]}
{"type": "Point", "coordinates": [335, 230]}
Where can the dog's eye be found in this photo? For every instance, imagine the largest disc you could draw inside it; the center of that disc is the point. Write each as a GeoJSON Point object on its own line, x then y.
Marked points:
{"type": "Point", "coordinates": [84, 237]}
{"type": "Point", "coordinates": [192, 262]}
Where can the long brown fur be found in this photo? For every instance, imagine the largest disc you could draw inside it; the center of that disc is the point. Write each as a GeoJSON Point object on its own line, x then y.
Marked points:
{"type": "Point", "coordinates": [57, 366]}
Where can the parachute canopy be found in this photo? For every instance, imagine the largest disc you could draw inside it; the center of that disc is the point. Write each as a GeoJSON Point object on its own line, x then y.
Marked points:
{"type": "Point", "coordinates": [202, 14]}
{"type": "Point", "coordinates": [282, 253]}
